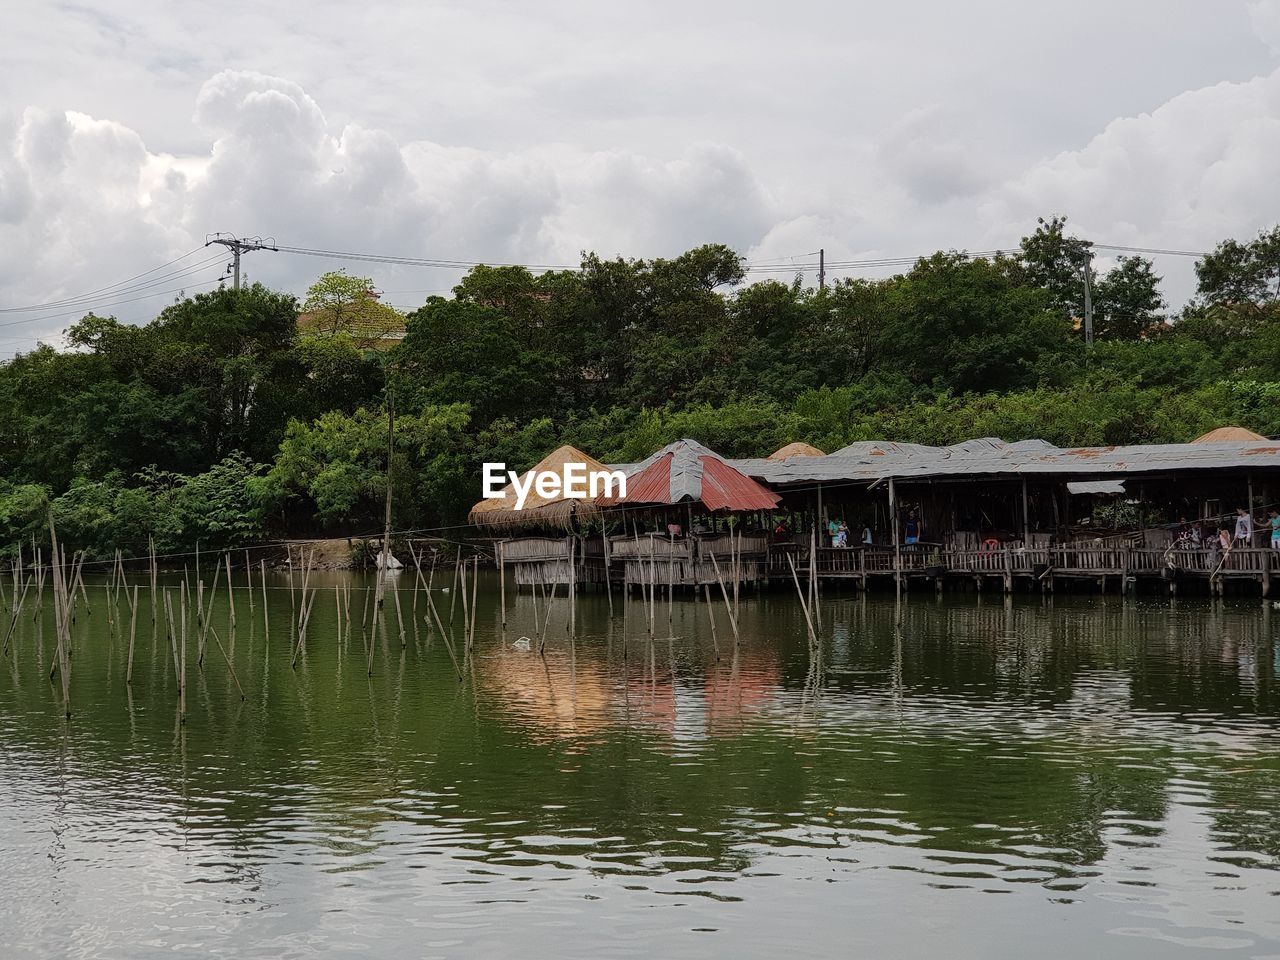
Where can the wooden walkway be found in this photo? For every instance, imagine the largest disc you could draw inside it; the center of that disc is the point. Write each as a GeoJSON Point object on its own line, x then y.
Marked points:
{"type": "Point", "coordinates": [1104, 564]}
{"type": "Point", "coordinates": [655, 560]}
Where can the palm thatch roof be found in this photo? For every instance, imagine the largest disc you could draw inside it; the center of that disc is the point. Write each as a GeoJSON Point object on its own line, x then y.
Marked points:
{"type": "Point", "coordinates": [1229, 435]}
{"type": "Point", "coordinates": [539, 511]}
{"type": "Point", "coordinates": [795, 450]}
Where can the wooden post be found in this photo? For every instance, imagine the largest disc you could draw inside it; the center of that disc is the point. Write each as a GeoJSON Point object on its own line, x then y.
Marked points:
{"type": "Point", "coordinates": [608, 583]}
{"type": "Point", "coordinates": [711, 613]}
{"type": "Point", "coordinates": [231, 593]}
{"type": "Point", "coordinates": [1026, 517]}
{"type": "Point", "coordinates": [266, 616]}
{"type": "Point", "coordinates": [502, 584]}
{"type": "Point", "coordinates": [733, 621]}
{"type": "Point", "coordinates": [133, 629]}
{"type": "Point", "coordinates": [897, 540]}
{"type": "Point", "coordinates": [457, 573]}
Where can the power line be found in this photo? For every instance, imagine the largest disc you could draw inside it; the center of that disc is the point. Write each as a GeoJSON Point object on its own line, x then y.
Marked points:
{"type": "Point", "coordinates": [54, 304]}
{"type": "Point", "coordinates": [81, 311]}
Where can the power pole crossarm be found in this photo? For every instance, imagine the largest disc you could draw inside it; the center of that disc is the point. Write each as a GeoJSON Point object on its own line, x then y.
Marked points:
{"type": "Point", "coordinates": [239, 246]}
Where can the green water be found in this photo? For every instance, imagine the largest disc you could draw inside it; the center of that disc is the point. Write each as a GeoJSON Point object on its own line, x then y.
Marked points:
{"type": "Point", "coordinates": [959, 777]}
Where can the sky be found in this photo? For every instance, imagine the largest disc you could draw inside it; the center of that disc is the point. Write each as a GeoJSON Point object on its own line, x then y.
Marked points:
{"type": "Point", "coordinates": [527, 133]}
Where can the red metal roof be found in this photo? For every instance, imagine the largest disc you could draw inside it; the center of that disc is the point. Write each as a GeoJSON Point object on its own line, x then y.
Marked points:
{"type": "Point", "coordinates": [703, 477]}
{"type": "Point", "coordinates": [725, 488]}
{"type": "Point", "coordinates": [650, 485]}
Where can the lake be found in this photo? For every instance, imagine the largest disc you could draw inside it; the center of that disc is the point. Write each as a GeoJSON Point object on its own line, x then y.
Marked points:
{"type": "Point", "coordinates": [959, 777]}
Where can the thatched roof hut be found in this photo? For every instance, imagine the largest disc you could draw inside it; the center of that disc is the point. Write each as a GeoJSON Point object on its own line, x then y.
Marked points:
{"type": "Point", "coordinates": [539, 511]}
{"type": "Point", "coordinates": [795, 450]}
{"type": "Point", "coordinates": [1229, 435]}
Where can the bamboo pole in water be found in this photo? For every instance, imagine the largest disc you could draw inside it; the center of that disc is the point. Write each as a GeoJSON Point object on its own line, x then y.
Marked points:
{"type": "Point", "coordinates": [417, 566]}
{"type": "Point", "coordinates": [248, 580]}
{"type": "Point", "coordinates": [457, 573]}
{"type": "Point", "coordinates": [466, 613]}
{"type": "Point", "coordinates": [813, 636]}
{"type": "Point", "coordinates": [201, 620]}
{"type": "Point", "coordinates": [231, 591]}
{"type": "Point", "coordinates": [724, 592]}
{"type": "Point", "coordinates": [608, 585]}
{"type": "Point", "coordinates": [475, 581]}
{"type": "Point", "coordinates": [266, 614]}
{"type": "Point", "coordinates": [448, 641]}
{"type": "Point", "coordinates": [133, 630]}
{"type": "Point", "coordinates": [15, 613]}
{"type": "Point", "coordinates": [61, 603]}
{"type": "Point", "coordinates": [711, 615]}
{"type": "Point", "coordinates": [337, 611]}
{"type": "Point", "coordinates": [546, 623]}
{"type": "Point", "coordinates": [230, 667]}
{"type": "Point", "coordinates": [172, 629]}
{"type": "Point", "coordinates": [502, 582]}
{"type": "Point", "coordinates": [395, 589]}
{"type": "Point", "coordinates": [182, 660]}
{"type": "Point", "coordinates": [151, 547]}
{"type": "Point", "coordinates": [304, 617]}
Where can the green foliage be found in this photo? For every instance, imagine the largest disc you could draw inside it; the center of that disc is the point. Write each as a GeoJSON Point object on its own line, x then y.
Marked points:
{"type": "Point", "coordinates": [341, 304]}
{"type": "Point", "coordinates": [223, 507]}
{"type": "Point", "coordinates": [339, 461]}
{"type": "Point", "coordinates": [161, 429]}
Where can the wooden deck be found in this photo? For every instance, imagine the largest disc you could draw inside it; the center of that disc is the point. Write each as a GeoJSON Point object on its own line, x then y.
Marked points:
{"type": "Point", "coordinates": [654, 560]}
{"type": "Point", "coordinates": [1045, 565]}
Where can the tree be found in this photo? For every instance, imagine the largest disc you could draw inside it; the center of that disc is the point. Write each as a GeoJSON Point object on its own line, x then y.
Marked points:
{"type": "Point", "coordinates": [463, 352]}
{"type": "Point", "coordinates": [1127, 301]}
{"type": "Point", "coordinates": [958, 323]}
{"type": "Point", "coordinates": [1056, 263]}
{"type": "Point", "coordinates": [1242, 274]}
{"type": "Point", "coordinates": [339, 461]}
{"type": "Point", "coordinates": [340, 304]}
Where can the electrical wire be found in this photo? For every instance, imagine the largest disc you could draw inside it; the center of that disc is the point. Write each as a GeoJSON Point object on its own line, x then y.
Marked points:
{"type": "Point", "coordinates": [81, 311]}
{"type": "Point", "coordinates": [54, 304]}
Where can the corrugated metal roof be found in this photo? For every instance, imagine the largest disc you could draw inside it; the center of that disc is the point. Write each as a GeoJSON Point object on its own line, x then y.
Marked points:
{"type": "Point", "coordinates": [724, 488]}
{"type": "Point", "coordinates": [688, 471]}
{"type": "Point", "coordinates": [991, 457]}
{"type": "Point", "coordinates": [650, 485]}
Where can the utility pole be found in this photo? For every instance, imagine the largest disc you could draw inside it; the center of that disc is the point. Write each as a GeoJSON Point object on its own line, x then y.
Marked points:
{"type": "Point", "coordinates": [1088, 301]}
{"type": "Point", "coordinates": [822, 269]}
{"type": "Point", "coordinates": [384, 559]}
{"type": "Point", "coordinates": [238, 246]}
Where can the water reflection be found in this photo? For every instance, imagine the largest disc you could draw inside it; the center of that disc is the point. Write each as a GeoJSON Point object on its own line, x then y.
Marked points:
{"type": "Point", "coordinates": [1108, 767]}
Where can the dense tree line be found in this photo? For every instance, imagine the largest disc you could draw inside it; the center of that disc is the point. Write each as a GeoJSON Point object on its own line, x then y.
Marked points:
{"type": "Point", "coordinates": [236, 414]}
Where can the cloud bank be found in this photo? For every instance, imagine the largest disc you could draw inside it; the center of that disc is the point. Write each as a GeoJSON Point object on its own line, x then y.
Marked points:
{"type": "Point", "coordinates": [84, 201]}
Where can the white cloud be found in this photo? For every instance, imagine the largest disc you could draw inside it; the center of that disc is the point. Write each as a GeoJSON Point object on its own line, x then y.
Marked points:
{"type": "Point", "coordinates": [89, 200]}
{"type": "Point", "coordinates": [1265, 17]}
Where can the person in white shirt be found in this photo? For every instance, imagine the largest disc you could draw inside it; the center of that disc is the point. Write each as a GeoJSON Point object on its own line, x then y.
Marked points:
{"type": "Point", "coordinates": [1244, 526]}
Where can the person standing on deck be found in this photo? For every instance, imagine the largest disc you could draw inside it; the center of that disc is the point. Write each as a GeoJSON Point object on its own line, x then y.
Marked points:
{"type": "Point", "coordinates": [1273, 522]}
{"type": "Point", "coordinates": [1244, 527]}
{"type": "Point", "coordinates": [912, 529]}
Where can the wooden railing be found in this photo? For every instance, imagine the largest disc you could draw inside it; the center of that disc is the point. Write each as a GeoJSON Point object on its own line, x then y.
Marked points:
{"type": "Point", "coordinates": [527, 549]}
{"type": "Point", "coordinates": [657, 545]}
